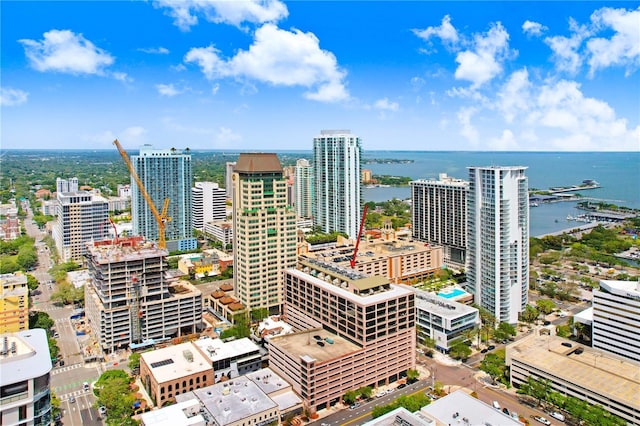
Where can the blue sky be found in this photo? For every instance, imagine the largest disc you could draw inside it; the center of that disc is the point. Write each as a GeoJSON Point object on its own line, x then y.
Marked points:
{"type": "Point", "coordinates": [269, 75]}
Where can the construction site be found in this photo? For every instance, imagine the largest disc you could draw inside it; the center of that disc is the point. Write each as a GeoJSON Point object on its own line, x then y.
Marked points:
{"type": "Point", "coordinates": [131, 301]}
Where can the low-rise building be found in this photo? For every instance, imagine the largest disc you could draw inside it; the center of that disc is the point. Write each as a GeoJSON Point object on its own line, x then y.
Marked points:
{"type": "Point", "coordinates": [259, 399]}
{"type": "Point", "coordinates": [208, 263]}
{"type": "Point", "coordinates": [25, 368]}
{"type": "Point", "coordinates": [230, 359]}
{"type": "Point", "coordinates": [461, 408]}
{"type": "Point", "coordinates": [10, 225]}
{"type": "Point", "coordinates": [14, 303]}
{"type": "Point", "coordinates": [219, 230]}
{"type": "Point", "coordinates": [173, 370]}
{"type": "Point", "coordinates": [444, 320]}
{"type": "Point", "coordinates": [223, 303]}
{"type": "Point", "coordinates": [594, 376]}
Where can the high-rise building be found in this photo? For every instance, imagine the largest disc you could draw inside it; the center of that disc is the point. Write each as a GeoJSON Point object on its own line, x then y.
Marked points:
{"type": "Point", "coordinates": [131, 300]}
{"type": "Point", "coordinates": [25, 370]}
{"type": "Point", "coordinates": [336, 168]}
{"type": "Point", "coordinates": [228, 179]}
{"type": "Point", "coordinates": [498, 240]}
{"type": "Point", "coordinates": [439, 215]}
{"type": "Point", "coordinates": [264, 227]}
{"type": "Point", "coordinates": [207, 204]}
{"type": "Point", "coordinates": [351, 330]}
{"type": "Point", "coordinates": [82, 217]}
{"type": "Point", "coordinates": [66, 185]}
{"type": "Point", "coordinates": [616, 318]}
{"type": "Point", "coordinates": [14, 303]}
{"type": "Point", "coordinates": [303, 188]}
{"type": "Point", "coordinates": [165, 173]}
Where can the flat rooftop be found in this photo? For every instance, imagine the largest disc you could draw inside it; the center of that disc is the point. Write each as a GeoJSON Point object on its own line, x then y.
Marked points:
{"type": "Point", "coordinates": [442, 306]}
{"type": "Point", "coordinates": [216, 349]}
{"type": "Point", "coordinates": [629, 289]}
{"type": "Point", "coordinates": [612, 376]}
{"type": "Point", "coordinates": [30, 358]}
{"type": "Point", "coordinates": [231, 401]}
{"type": "Point", "coordinates": [276, 388]}
{"type": "Point", "coordinates": [304, 345]}
{"type": "Point", "coordinates": [110, 253]}
{"type": "Point", "coordinates": [466, 407]}
{"type": "Point", "coordinates": [369, 251]}
{"type": "Point", "coordinates": [177, 361]}
{"type": "Point", "coordinates": [183, 413]}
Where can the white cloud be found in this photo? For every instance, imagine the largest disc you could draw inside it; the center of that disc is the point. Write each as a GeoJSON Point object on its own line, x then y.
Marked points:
{"type": "Point", "coordinates": [280, 58]}
{"type": "Point", "coordinates": [168, 90]}
{"type": "Point", "coordinates": [129, 137]}
{"type": "Point", "coordinates": [484, 61]}
{"type": "Point", "coordinates": [566, 49]}
{"type": "Point", "coordinates": [506, 142]}
{"type": "Point", "coordinates": [445, 32]}
{"type": "Point", "coordinates": [185, 12]}
{"type": "Point", "coordinates": [532, 28]}
{"type": "Point", "coordinates": [215, 88]}
{"type": "Point", "coordinates": [67, 52]}
{"type": "Point", "coordinates": [468, 130]}
{"type": "Point", "coordinates": [417, 83]}
{"type": "Point", "coordinates": [568, 119]}
{"type": "Point", "coordinates": [384, 105]}
{"type": "Point", "coordinates": [623, 48]}
{"type": "Point", "coordinates": [155, 50]}
{"type": "Point", "coordinates": [226, 136]}
{"type": "Point", "coordinates": [12, 97]}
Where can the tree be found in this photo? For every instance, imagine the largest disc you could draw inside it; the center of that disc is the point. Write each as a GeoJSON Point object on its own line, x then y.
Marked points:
{"type": "Point", "coordinates": [38, 319]}
{"type": "Point", "coordinates": [113, 392]}
{"type": "Point", "coordinates": [494, 365]}
{"type": "Point", "coordinates": [32, 282]}
{"type": "Point", "coordinates": [259, 314]}
{"type": "Point", "coordinates": [366, 391]}
{"type": "Point", "coordinates": [530, 314]}
{"type": "Point", "coordinates": [545, 306]}
{"type": "Point", "coordinates": [350, 397]}
{"type": "Point", "coordinates": [504, 331]}
{"type": "Point", "coordinates": [413, 375]}
{"type": "Point", "coordinates": [134, 361]}
{"type": "Point", "coordinates": [460, 351]}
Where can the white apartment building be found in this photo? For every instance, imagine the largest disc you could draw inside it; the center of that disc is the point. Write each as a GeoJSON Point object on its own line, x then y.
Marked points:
{"type": "Point", "coordinates": [25, 369]}
{"type": "Point", "coordinates": [220, 230]}
{"type": "Point", "coordinates": [336, 186]}
{"type": "Point", "coordinates": [444, 320]}
{"type": "Point", "coordinates": [616, 318]}
{"type": "Point", "coordinates": [82, 217]}
{"type": "Point", "coordinates": [207, 204]}
{"type": "Point", "coordinates": [265, 234]}
{"type": "Point", "coordinates": [66, 185]}
{"type": "Point", "coordinates": [130, 299]}
{"type": "Point", "coordinates": [498, 240]}
{"type": "Point", "coordinates": [439, 215]}
{"type": "Point", "coordinates": [49, 207]}
{"type": "Point", "coordinates": [303, 188]}
{"type": "Point", "coordinates": [124, 191]}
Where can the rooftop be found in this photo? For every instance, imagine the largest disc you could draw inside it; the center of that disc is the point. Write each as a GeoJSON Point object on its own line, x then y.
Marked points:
{"type": "Point", "coordinates": [463, 406]}
{"type": "Point", "coordinates": [24, 355]}
{"type": "Point", "coordinates": [442, 306]}
{"type": "Point", "coordinates": [614, 377]}
{"type": "Point", "coordinates": [176, 361]}
{"type": "Point", "coordinates": [629, 289]}
{"type": "Point", "coordinates": [216, 349]}
{"type": "Point", "coordinates": [305, 345]}
{"type": "Point", "coordinates": [231, 401]}
{"type": "Point", "coordinates": [183, 413]}
{"type": "Point", "coordinates": [258, 162]}
{"type": "Point", "coordinates": [13, 279]}
{"type": "Point", "coordinates": [400, 416]}
{"type": "Point", "coordinates": [127, 249]}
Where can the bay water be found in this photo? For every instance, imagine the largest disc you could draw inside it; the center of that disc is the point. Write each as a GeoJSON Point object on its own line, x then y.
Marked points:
{"type": "Point", "coordinates": [618, 174]}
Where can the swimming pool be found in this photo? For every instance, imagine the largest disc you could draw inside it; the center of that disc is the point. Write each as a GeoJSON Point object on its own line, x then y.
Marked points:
{"type": "Point", "coordinates": [451, 294]}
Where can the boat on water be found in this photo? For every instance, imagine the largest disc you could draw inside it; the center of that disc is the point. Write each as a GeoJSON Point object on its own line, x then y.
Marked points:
{"type": "Point", "coordinates": [533, 204]}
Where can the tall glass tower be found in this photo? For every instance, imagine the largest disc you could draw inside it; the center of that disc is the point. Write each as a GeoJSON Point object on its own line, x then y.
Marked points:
{"type": "Point", "coordinates": [337, 171]}
{"type": "Point", "coordinates": [165, 173]}
{"type": "Point", "coordinates": [498, 240]}
{"type": "Point", "coordinates": [303, 188]}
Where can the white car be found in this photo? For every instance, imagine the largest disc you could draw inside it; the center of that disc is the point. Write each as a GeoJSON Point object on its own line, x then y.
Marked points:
{"type": "Point", "coordinates": [557, 416]}
{"type": "Point", "coordinates": [380, 394]}
{"type": "Point", "coordinates": [542, 420]}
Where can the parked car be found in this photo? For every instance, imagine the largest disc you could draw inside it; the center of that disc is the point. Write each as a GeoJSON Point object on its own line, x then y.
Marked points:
{"type": "Point", "coordinates": [505, 410]}
{"type": "Point", "coordinates": [557, 416]}
{"type": "Point", "coordinates": [354, 406]}
{"type": "Point", "coordinates": [541, 420]}
{"type": "Point", "coordinates": [72, 399]}
{"type": "Point", "coordinates": [484, 351]}
{"type": "Point", "coordinates": [496, 405]}
{"type": "Point", "coordinates": [380, 394]}
{"type": "Point", "coordinates": [402, 386]}
{"type": "Point", "coordinates": [491, 347]}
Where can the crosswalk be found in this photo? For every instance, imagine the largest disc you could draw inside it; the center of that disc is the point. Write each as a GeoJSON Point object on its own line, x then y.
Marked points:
{"type": "Point", "coordinates": [75, 394]}
{"type": "Point", "coordinates": [65, 368]}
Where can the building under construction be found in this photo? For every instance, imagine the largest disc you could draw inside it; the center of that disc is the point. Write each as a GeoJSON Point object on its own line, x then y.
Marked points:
{"type": "Point", "coordinates": [131, 301]}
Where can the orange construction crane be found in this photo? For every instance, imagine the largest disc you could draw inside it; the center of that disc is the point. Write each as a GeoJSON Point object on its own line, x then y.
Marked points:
{"type": "Point", "coordinates": [161, 217]}
{"type": "Point", "coordinates": [355, 251]}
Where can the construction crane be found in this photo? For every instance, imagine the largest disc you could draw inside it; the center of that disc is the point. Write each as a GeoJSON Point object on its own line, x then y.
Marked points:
{"type": "Point", "coordinates": [355, 251]}
{"type": "Point", "coordinates": [161, 217]}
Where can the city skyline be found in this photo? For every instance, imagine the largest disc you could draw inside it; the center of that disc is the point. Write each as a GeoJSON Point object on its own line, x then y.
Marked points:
{"type": "Point", "coordinates": [540, 76]}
